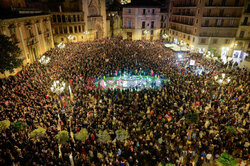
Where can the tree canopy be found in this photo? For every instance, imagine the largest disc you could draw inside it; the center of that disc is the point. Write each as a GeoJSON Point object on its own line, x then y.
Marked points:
{"type": "Point", "coordinates": [10, 55]}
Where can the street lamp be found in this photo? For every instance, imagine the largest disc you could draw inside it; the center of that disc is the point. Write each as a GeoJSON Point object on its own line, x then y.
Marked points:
{"type": "Point", "coordinates": [61, 45]}
{"type": "Point", "coordinates": [165, 36]}
{"type": "Point", "coordinates": [44, 60]}
{"type": "Point", "coordinates": [57, 87]}
{"type": "Point", "coordinates": [146, 32]}
{"type": "Point", "coordinates": [86, 33]}
{"type": "Point", "coordinates": [70, 37]}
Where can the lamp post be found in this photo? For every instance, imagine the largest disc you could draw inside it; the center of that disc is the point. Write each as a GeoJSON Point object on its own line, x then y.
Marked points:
{"type": "Point", "coordinates": [146, 32]}
{"type": "Point", "coordinates": [70, 37]}
{"type": "Point", "coordinates": [61, 45]}
{"type": "Point", "coordinates": [57, 88]}
{"type": "Point", "coordinates": [86, 33]}
{"type": "Point", "coordinates": [44, 60]}
{"type": "Point", "coordinates": [165, 36]}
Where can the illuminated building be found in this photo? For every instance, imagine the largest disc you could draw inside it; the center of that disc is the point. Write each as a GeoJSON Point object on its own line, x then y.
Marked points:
{"type": "Point", "coordinates": [208, 25]}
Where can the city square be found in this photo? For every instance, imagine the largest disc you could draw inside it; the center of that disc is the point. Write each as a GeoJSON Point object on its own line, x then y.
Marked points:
{"type": "Point", "coordinates": [102, 96]}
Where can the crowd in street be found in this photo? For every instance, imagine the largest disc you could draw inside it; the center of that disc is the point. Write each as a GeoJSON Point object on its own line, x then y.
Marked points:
{"type": "Point", "coordinates": [154, 118]}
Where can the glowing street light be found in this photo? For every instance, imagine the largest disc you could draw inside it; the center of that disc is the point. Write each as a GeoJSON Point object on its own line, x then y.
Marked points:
{"type": "Point", "coordinates": [146, 31]}
{"type": "Point", "coordinates": [70, 37]}
{"type": "Point", "coordinates": [44, 60]}
{"type": "Point", "coordinates": [57, 87]}
{"type": "Point", "coordinates": [86, 33]}
{"type": "Point", "coordinates": [165, 36]}
{"type": "Point", "coordinates": [223, 75]}
{"type": "Point", "coordinates": [61, 45]}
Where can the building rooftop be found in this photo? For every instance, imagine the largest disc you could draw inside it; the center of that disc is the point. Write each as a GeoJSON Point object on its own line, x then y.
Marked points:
{"type": "Point", "coordinates": [143, 4]}
{"type": "Point", "coordinates": [19, 13]}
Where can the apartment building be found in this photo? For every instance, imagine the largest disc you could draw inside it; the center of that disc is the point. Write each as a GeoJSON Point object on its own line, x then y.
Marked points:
{"type": "Point", "coordinates": [205, 25]}
{"type": "Point", "coordinates": [242, 43]}
{"type": "Point", "coordinates": [141, 22]}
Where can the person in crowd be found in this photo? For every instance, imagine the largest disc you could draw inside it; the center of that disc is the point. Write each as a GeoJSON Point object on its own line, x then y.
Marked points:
{"type": "Point", "coordinates": [154, 118]}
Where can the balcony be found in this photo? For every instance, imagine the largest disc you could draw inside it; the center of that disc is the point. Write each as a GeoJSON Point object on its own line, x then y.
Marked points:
{"type": "Point", "coordinates": [223, 6]}
{"type": "Point", "coordinates": [245, 24]}
{"type": "Point", "coordinates": [128, 27]}
{"type": "Point", "coordinates": [181, 31]}
{"type": "Point", "coordinates": [243, 38]}
{"type": "Point", "coordinates": [247, 11]}
{"type": "Point", "coordinates": [182, 23]}
{"type": "Point", "coordinates": [216, 35]}
{"type": "Point", "coordinates": [185, 5]}
{"type": "Point", "coordinates": [220, 27]}
{"type": "Point", "coordinates": [184, 14]}
{"type": "Point", "coordinates": [221, 16]}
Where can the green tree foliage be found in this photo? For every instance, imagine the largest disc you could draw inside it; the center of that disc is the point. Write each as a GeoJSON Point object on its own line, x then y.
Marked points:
{"type": "Point", "coordinates": [169, 164]}
{"type": "Point", "coordinates": [121, 134]}
{"type": "Point", "coordinates": [192, 118]}
{"type": "Point", "coordinates": [38, 132]}
{"type": "Point", "coordinates": [231, 129]}
{"type": "Point", "coordinates": [82, 135]}
{"type": "Point", "coordinates": [62, 137]}
{"type": "Point", "coordinates": [4, 125]}
{"type": "Point", "coordinates": [103, 136]}
{"type": "Point", "coordinates": [19, 125]}
{"type": "Point", "coordinates": [10, 55]}
{"type": "Point", "coordinates": [226, 160]}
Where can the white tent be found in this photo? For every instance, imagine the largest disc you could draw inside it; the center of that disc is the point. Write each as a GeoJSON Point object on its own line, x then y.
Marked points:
{"type": "Point", "coordinates": [176, 47]}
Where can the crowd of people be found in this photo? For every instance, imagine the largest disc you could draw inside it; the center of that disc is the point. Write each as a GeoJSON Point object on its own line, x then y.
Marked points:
{"type": "Point", "coordinates": [154, 118]}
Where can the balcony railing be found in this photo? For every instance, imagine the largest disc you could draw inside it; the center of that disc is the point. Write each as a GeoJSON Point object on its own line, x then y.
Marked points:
{"type": "Point", "coordinates": [184, 14]}
{"type": "Point", "coordinates": [226, 16]}
{"type": "Point", "coordinates": [184, 23]}
{"type": "Point", "coordinates": [245, 24]}
{"type": "Point", "coordinates": [128, 27]}
{"type": "Point", "coordinates": [216, 35]}
{"type": "Point", "coordinates": [185, 5]}
{"type": "Point", "coordinates": [226, 6]}
{"type": "Point", "coordinates": [215, 26]}
{"type": "Point", "coordinates": [247, 11]}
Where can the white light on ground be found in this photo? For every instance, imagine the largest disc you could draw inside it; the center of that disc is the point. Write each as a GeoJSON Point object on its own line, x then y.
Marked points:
{"type": "Point", "coordinates": [223, 75]}
{"type": "Point", "coordinates": [57, 87]}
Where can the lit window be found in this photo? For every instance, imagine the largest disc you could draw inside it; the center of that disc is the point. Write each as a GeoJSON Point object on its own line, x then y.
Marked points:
{"type": "Point", "coordinates": [219, 22]}
{"type": "Point", "coordinates": [232, 22]}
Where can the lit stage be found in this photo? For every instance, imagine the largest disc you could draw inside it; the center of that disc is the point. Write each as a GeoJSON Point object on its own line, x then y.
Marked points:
{"type": "Point", "coordinates": [135, 82]}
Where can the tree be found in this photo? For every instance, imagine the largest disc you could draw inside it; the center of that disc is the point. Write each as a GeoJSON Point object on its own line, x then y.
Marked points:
{"type": "Point", "coordinates": [121, 134]}
{"type": "Point", "coordinates": [103, 136]}
{"type": "Point", "coordinates": [10, 54]}
{"type": "Point", "coordinates": [38, 132]}
{"type": "Point", "coordinates": [226, 160]}
{"type": "Point", "coordinates": [231, 130]}
{"type": "Point", "coordinates": [82, 135]}
{"type": "Point", "coordinates": [62, 137]}
{"type": "Point", "coordinates": [19, 125]}
{"type": "Point", "coordinates": [192, 118]}
{"type": "Point", "coordinates": [4, 125]}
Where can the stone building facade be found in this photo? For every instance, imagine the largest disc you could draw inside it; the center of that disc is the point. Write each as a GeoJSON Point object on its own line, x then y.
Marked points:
{"type": "Point", "coordinates": [68, 23]}
{"type": "Point", "coordinates": [88, 23]}
{"type": "Point", "coordinates": [33, 35]}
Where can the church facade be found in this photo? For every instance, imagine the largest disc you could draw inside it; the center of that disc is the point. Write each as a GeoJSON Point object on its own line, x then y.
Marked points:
{"type": "Point", "coordinates": [88, 23]}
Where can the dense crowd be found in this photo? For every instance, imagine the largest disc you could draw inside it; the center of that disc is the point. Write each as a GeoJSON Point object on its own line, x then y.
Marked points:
{"type": "Point", "coordinates": [154, 118]}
